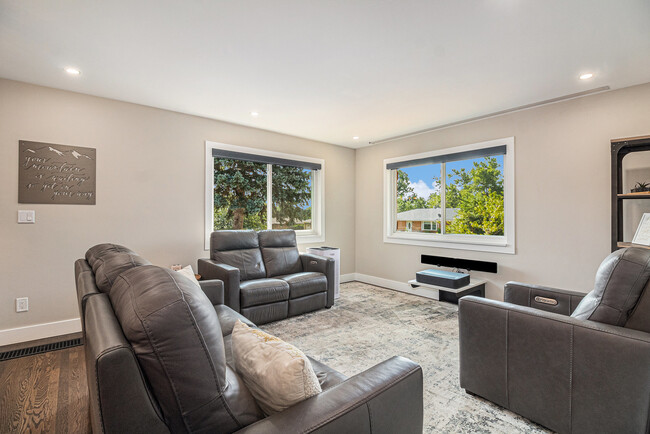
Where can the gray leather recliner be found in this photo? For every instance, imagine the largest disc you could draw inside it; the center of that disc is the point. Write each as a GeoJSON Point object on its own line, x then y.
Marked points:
{"type": "Point", "coordinates": [266, 278]}
{"type": "Point", "coordinates": [572, 364]}
{"type": "Point", "coordinates": [158, 355]}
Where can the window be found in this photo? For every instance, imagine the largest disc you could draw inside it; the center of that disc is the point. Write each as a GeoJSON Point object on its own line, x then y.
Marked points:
{"type": "Point", "coordinates": [460, 198]}
{"type": "Point", "coordinates": [249, 188]}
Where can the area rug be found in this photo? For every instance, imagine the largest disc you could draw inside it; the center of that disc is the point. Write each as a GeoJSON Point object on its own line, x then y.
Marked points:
{"type": "Point", "coordinates": [369, 324]}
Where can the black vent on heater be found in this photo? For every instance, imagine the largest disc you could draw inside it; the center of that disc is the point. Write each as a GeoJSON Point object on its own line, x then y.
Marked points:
{"type": "Point", "coordinates": [14, 354]}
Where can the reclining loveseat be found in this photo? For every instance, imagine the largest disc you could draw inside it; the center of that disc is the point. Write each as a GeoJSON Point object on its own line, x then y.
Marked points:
{"type": "Point", "coordinates": [266, 278]}
{"type": "Point", "coordinates": [159, 360]}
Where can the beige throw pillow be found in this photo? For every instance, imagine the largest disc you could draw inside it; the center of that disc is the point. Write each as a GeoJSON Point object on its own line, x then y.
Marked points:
{"type": "Point", "coordinates": [189, 273]}
{"type": "Point", "coordinates": [278, 374]}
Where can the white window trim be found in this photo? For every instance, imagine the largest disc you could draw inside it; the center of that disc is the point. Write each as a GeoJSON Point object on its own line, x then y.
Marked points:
{"type": "Point", "coordinates": [315, 235]}
{"type": "Point", "coordinates": [483, 243]}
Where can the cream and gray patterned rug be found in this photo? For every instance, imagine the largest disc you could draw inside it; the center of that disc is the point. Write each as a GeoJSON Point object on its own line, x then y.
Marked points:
{"type": "Point", "coordinates": [369, 324]}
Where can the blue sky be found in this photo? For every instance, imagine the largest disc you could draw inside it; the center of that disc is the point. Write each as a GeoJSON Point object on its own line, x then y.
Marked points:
{"type": "Point", "coordinates": [421, 177]}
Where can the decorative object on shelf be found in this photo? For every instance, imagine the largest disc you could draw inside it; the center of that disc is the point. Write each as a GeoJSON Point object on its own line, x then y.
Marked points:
{"type": "Point", "coordinates": [641, 187]}
{"type": "Point", "coordinates": [57, 174]}
{"type": "Point", "coordinates": [642, 235]}
{"type": "Point", "coordinates": [448, 279]}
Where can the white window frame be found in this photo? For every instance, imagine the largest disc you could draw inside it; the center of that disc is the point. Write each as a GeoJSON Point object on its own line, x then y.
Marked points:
{"type": "Point", "coordinates": [483, 243]}
{"type": "Point", "coordinates": [314, 235]}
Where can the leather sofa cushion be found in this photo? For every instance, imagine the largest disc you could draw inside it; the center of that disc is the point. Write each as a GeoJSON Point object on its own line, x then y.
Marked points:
{"type": "Point", "coordinates": [305, 283]}
{"type": "Point", "coordinates": [175, 333]}
{"type": "Point", "coordinates": [640, 316]}
{"type": "Point", "coordinates": [239, 249]}
{"type": "Point", "coordinates": [620, 281]}
{"type": "Point", "coordinates": [280, 252]}
{"type": "Point", "coordinates": [110, 265]}
{"type": "Point", "coordinates": [263, 291]}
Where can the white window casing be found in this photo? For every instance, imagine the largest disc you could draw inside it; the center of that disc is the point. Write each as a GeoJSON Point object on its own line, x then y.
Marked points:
{"type": "Point", "coordinates": [485, 243]}
{"type": "Point", "coordinates": [315, 235]}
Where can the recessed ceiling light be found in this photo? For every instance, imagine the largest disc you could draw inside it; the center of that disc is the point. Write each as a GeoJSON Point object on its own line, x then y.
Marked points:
{"type": "Point", "coordinates": [72, 71]}
{"type": "Point", "coordinates": [355, 138]}
{"type": "Point", "coordinates": [586, 76]}
{"type": "Point", "coordinates": [255, 114]}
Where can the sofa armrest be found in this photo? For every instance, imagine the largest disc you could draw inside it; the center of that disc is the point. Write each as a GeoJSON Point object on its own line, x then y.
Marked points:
{"type": "Point", "coordinates": [555, 300]}
{"type": "Point", "coordinates": [213, 288]}
{"type": "Point", "coordinates": [120, 401]}
{"type": "Point", "coordinates": [321, 264]}
{"type": "Point", "coordinates": [567, 374]}
{"type": "Point", "coordinates": [385, 398]}
{"type": "Point", "coordinates": [229, 275]}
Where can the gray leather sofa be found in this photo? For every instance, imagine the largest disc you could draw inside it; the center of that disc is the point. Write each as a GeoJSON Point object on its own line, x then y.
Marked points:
{"type": "Point", "coordinates": [266, 278]}
{"type": "Point", "coordinates": [159, 360]}
{"type": "Point", "coordinates": [572, 364]}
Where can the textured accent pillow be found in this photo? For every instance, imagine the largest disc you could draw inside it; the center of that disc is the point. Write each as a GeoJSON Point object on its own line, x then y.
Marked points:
{"type": "Point", "coordinates": [277, 374]}
{"type": "Point", "coordinates": [189, 273]}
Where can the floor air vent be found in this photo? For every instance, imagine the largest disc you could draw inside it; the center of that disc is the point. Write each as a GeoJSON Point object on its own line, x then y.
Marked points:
{"type": "Point", "coordinates": [14, 354]}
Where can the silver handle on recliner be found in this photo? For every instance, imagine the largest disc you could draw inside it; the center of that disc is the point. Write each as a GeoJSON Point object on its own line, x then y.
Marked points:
{"type": "Point", "coordinates": [546, 300]}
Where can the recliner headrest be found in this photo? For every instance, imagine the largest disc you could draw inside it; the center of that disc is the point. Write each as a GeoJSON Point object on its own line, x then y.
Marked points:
{"type": "Point", "coordinates": [278, 238]}
{"type": "Point", "coordinates": [233, 240]}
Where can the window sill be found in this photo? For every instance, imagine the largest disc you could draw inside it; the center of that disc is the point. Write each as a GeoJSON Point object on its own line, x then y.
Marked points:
{"type": "Point", "coordinates": [309, 238]}
{"type": "Point", "coordinates": [494, 246]}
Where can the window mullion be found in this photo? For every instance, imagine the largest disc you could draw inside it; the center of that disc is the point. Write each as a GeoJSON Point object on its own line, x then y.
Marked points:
{"type": "Point", "coordinates": [443, 198]}
{"type": "Point", "coordinates": [269, 196]}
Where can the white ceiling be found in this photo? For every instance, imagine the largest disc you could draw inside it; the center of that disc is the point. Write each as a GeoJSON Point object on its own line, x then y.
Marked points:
{"type": "Point", "coordinates": [328, 70]}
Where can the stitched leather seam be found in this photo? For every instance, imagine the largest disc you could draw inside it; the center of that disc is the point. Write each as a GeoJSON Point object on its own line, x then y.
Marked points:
{"type": "Point", "coordinates": [594, 327]}
{"type": "Point", "coordinates": [369, 416]}
{"type": "Point", "coordinates": [365, 400]}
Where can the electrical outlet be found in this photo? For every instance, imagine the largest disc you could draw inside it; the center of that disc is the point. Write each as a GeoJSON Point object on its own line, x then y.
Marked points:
{"type": "Point", "coordinates": [22, 304]}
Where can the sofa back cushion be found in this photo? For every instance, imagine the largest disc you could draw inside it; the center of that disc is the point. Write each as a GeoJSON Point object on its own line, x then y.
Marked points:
{"type": "Point", "coordinates": [175, 333]}
{"type": "Point", "coordinates": [620, 282]}
{"type": "Point", "coordinates": [280, 252]}
{"type": "Point", "coordinates": [109, 261]}
{"type": "Point", "coordinates": [240, 249]}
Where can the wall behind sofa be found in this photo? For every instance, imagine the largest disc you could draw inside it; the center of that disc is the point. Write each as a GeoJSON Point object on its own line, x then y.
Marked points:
{"type": "Point", "coordinates": [150, 194]}
{"type": "Point", "coordinates": [562, 199]}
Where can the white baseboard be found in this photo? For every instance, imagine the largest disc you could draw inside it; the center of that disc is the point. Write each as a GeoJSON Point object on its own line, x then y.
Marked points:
{"type": "Point", "coordinates": [397, 286]}
{"type": "Point", "coordinates": [39, 331]}
{"type": "Point", "coordinates": [345, 278]}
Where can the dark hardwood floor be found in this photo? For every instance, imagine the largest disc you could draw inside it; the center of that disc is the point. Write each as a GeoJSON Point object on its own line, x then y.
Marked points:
{"type": "Point", "coordinates": [45, 393]}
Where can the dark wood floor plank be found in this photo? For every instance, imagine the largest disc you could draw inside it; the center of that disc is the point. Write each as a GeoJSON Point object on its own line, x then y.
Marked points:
{"type": "Point", "coordinates": [45, 393]}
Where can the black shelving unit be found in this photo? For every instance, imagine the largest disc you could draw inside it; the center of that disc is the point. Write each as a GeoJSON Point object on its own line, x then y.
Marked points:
{"type": "Point", "coordinates": [620, 148]}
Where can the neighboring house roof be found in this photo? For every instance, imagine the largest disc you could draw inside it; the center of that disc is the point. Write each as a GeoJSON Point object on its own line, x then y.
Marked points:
{"type": "Point", "coordinates": [426, 214]}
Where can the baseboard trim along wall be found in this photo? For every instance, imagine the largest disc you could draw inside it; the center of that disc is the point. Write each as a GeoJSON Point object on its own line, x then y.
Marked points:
{"type": "Point", "coordinates": [397, 286]}
{"type": "Point", "coordinates": [39, 331]}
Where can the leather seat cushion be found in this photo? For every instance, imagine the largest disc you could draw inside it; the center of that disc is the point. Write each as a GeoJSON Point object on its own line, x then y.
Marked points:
{"type": "Point", "coordinates": [327, 377]}
{"type": "Point", "coordinates": [263, 291]}
{"type": "Point", "coordinates": [280, 252]}
{"type": "Point", "coordinates": [305, 283]}
{"type": "Point", "coordinates": [620, 281]}
{"type": "Point", "coordinates": [228, 318]}
{"type": "Point", "coordinates": [175, 332]}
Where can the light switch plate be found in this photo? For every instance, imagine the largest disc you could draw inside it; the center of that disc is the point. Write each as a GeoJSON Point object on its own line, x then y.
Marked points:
{"type": "Point", "coordinates": [26, 216]}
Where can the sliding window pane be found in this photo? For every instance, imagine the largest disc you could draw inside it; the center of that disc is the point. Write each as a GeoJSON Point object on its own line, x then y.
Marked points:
{"type": "Point", "coordinates": [239, 194]}
{"type": "Point", "coordinates": [474, 196]}
{"type": "Point", "coordinates": [418, 198]}
{"type": "Point", "coordinates": [292, 198]}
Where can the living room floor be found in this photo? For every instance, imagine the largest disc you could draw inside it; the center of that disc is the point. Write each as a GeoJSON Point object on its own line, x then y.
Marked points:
{"type": "Point", "coordinates": [48, 392]}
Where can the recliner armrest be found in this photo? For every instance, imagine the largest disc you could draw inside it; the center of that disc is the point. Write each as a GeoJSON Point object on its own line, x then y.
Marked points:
{"type": "Point", "coordinates": [554, 300]}
{"type": "Point", "coordinates": [553, 369]}
{"type": "Point", "coordinates": [229, 275]}
{"type": "Point", "coordinates": [321, 264]}
{"type": "Point", "coordinates": [213, 288]}
{"type": "Point", "coordinates": [385, 398]}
